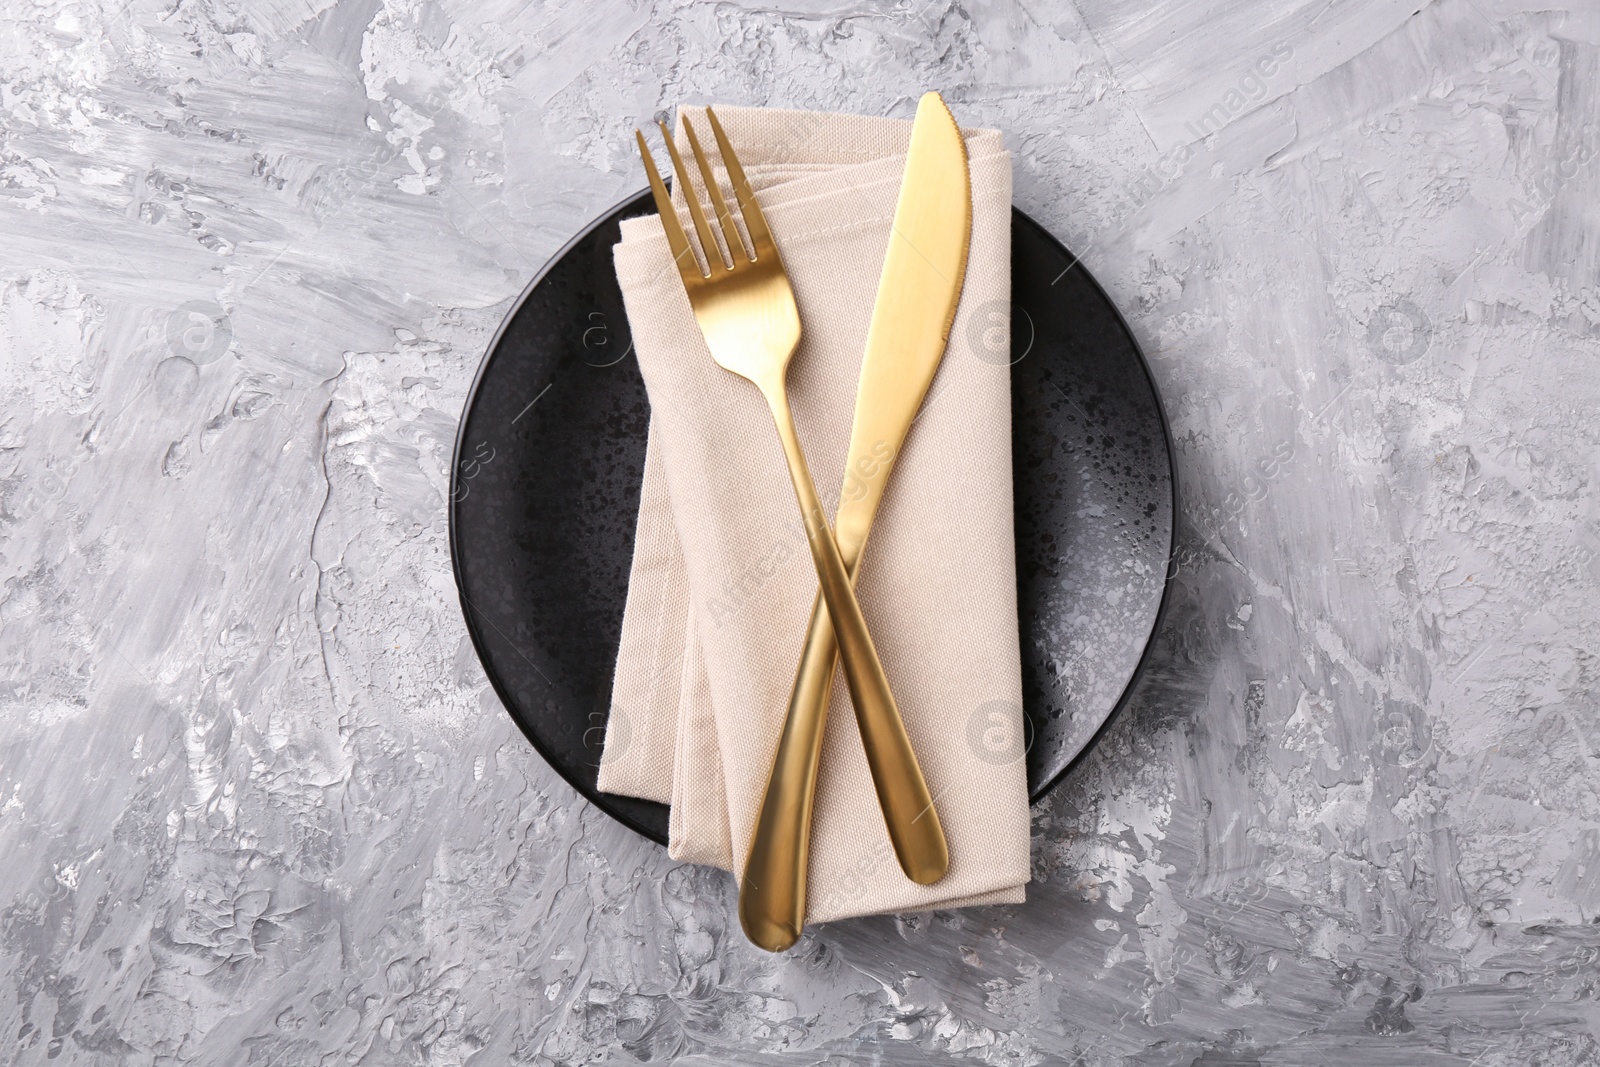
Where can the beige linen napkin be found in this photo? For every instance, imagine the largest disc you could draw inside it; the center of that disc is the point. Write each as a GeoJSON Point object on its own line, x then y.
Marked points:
{"type": "Point", "coordinates": [722, 579]}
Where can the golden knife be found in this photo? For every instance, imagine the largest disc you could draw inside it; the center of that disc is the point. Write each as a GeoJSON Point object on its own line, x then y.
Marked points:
{"type": "Point", "coordinates": [917, 295]}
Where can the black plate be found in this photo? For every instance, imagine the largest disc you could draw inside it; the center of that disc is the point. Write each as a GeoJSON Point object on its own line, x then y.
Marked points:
{"type": "Point", "coordinates": [550, 455]}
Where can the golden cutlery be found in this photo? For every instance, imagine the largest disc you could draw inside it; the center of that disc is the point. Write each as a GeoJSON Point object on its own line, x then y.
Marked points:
{"type": "Point", "coordinates": [746, 311]}
{"type": "Point", "coordinates": [917, 295]}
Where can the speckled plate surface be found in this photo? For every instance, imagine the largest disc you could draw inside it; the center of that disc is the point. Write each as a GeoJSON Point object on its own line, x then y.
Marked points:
{"type": "Point", "coordinates": [550, 457]}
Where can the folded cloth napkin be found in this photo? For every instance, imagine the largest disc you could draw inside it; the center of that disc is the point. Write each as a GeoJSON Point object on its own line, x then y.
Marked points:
{"type": "Point", "coordinates": [722, 579]}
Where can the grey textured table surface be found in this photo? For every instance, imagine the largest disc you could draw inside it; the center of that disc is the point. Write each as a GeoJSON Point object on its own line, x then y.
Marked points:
{"type": "Point", "coordinates": [259, 805]}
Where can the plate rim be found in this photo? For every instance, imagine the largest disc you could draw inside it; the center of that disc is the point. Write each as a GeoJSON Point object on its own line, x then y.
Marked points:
{"type": "Point", "coordinates": [469, 611]}
{"type": "Point", "coordinates": [1137, 673]}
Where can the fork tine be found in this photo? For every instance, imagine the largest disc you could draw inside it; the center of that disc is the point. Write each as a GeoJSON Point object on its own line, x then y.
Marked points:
{"type": "Point", "coordinates": [676, 239]}
{"type": "Point", "coordinates": [707, 242]}
{"type": "Point", "coordinates": [754, 221]}
{"type": "Point", "coordinates": [730, 233]}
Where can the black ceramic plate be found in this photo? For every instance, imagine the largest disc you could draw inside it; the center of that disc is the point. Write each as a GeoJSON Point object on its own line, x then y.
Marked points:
{"type": "Point", "coordinates": [550, 455]}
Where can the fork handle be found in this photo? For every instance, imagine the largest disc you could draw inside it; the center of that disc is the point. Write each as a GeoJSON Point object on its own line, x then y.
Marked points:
{"type": "Point", "coordinates": [908, 811]}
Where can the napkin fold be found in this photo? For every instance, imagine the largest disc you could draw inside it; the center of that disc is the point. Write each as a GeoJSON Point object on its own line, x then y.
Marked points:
{"type": "Point", "coordinates": [722, 579]}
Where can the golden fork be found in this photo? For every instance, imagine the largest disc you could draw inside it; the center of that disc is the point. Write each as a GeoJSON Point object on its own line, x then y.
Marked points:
{"type": "Point", "coordinates": [746, 311]}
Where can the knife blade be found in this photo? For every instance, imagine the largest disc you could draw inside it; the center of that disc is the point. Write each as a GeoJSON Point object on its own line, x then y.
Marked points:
{"type": "Point", "coordinates": [918, 292]}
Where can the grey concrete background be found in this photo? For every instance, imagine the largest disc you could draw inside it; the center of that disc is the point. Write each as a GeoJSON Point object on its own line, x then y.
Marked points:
{"type": "Point", "coordinates": [258, 806]}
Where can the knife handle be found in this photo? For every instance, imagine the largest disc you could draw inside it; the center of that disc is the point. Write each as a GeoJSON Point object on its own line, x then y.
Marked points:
{"type": "Point", "coordinates": [772, 898]}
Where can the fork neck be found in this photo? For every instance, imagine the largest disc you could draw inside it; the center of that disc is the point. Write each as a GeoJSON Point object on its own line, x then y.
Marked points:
{"type": "Point", "coordinates": [776, 391]}
{"type": "Point", "coordinates": [799, 472]}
